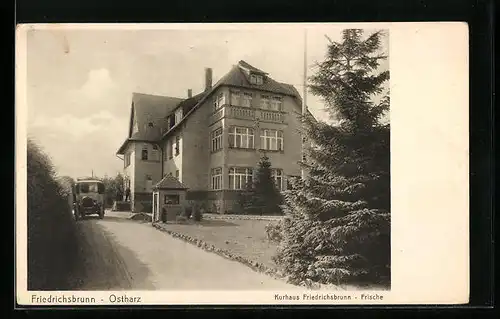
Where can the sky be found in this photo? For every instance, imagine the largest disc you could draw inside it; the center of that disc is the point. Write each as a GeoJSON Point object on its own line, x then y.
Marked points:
{"type": "Point", "coordinates": [80, 81]}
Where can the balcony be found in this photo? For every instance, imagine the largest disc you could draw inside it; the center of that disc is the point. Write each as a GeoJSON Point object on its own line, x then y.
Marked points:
{"type": "Point", "coordinates": [271, 116]}
{"type": "Point", "coordinates": [245, 113]}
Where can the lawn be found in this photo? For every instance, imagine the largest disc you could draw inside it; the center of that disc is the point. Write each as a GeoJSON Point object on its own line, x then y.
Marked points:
{"type": "Point", "coordinates": [246, 238]}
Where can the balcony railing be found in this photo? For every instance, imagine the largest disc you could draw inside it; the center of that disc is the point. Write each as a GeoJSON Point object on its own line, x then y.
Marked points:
{"type": "Point", "coordinates": [245, 113]}
{"type": "Point", "coordinates": [271, 116]}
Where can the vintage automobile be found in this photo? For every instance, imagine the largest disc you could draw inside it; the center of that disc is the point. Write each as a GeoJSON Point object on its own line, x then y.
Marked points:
{"type": "Point", "coordinates": [88, 198]}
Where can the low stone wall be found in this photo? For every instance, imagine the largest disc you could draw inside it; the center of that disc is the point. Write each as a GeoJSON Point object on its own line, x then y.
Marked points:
{"type": "Point", "coordinates": [230, 256]}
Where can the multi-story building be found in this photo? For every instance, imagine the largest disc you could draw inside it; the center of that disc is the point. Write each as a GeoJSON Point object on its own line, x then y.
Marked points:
{"type": "Point", "coordinates": [213, 141]}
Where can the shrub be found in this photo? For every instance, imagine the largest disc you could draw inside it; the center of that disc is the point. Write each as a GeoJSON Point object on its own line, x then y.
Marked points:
{"type": "Point", "coordinates": [197, 215]}
{"type": "Point", "coordinates": [188, 211]}
{"type": "Point", "coordinates": [273, 231]}
{"type": "Point", "coordinates": [52, 233]}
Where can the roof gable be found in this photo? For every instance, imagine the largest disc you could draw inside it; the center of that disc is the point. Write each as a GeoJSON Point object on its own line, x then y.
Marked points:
{"type": "Point", "coordinates": [170, 182]}
{"type": "Point", "coordinates": [247, 67]}
{"type": "Point", "coordinates": [237, 77]}
{"type": "Point", "coordinates": [149, 112]}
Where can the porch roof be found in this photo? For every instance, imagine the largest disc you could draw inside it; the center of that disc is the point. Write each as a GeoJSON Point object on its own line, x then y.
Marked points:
{"type": "Point", "coordinates": [170, 182]}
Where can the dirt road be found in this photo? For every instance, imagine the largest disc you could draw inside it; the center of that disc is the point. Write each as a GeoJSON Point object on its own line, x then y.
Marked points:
{"type": "Point", "coordinates": [121, 254]}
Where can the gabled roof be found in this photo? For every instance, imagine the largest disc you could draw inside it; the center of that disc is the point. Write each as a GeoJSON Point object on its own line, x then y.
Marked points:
{"type": "Point", "coordinates": [155, 108]}
{"type": "Point", "coordinates": [249, 67]}
{"type": "Point", "coordinates": [151, 108]}
{"type": "Point", "coordinates": [169, 182]}
{"type": "Point", "coordinates": [236, 77]}
{"type": "Point", "coordinates": [189, 103]}
{"type": "Point", "coordinates": [148, 108]}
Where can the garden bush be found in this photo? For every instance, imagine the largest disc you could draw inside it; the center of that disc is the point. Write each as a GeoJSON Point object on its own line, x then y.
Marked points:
{"type": "Point", "coordinates": [188, 212]}
{"type": "Point", "coordinates": [273, 231]}
{"type": "Point", "coordinates": [52, 233]}
{"type": "Point", "coordinates": [197, 215]}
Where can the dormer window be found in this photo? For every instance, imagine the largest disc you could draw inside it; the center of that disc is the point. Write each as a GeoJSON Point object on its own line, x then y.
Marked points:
{"type": "Point", "coordinates": [256, 79]}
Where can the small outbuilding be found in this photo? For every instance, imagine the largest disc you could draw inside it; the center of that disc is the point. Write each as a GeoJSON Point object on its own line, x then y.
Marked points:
{"type": "Point", "coordinates": [169, 199]}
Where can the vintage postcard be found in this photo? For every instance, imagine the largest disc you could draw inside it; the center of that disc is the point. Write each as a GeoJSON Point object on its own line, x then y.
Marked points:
{"type": "Point", "coordinates": [287, 164]}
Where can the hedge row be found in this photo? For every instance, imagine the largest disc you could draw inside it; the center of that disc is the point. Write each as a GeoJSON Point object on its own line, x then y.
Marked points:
{"type": "Point", "coordinates": [52, 233]}
{"type": "Point", "coordinates": [258, 267]}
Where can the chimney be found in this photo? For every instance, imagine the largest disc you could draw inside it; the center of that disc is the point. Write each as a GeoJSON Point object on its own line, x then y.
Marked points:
{"type": "Point", "coordinates": [190, 93]}
{"type": "Point", "coordinates": [208, 79]}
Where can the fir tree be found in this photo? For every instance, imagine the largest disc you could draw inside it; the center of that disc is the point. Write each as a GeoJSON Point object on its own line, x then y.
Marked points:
{"type": "Point", "coordinates": [262, 196]}
{"type": "Point", "coordinates": [337, 224]}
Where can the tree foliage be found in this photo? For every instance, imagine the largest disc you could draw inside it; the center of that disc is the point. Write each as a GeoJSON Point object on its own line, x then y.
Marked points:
{"type": "Point", "coordinates": [53, 243]}
{"type": "Point", "coordinates": [337, 224]}
{"type": "Point", "coordinates": [114, 188]}
{"type": "Point", "coordinates": [261, 195]}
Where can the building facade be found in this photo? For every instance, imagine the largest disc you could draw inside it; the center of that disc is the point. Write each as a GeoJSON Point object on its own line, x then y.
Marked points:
{"type": "Point", "coordinates": [212, 142]}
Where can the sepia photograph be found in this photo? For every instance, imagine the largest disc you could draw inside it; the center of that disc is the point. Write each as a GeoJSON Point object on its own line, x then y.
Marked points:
{"type": "Point", "coordinates": [270, 152]}
{"type": "Point", "coordinates": [218, 158]}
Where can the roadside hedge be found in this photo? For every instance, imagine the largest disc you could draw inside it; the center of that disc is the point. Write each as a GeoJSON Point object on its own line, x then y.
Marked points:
{"type": "Point", "coordinates": [52, 233]}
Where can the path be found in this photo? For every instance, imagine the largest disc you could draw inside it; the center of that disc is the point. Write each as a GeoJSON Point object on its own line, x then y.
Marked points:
{"type": "Point", "coordinates": [121, 254]}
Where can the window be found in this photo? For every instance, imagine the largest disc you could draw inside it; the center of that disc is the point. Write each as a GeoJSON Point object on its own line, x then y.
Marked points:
{"type": "Point", "coordinates": [178, 115]}
{"type": "Point", "coordinates": [216, 178]}
{"type": "Point", "coordinates": [155, 153]}
{"type": "Point", "coordinates": [177, 174]}
{"type": "Point", "coordinates": [239, 177]}
{"type": "Point", "coordinates": [171, 199]}
{"type": "Point", "coordinates": [256, 79]}
{"type": "Point", "coordinates": [277, 175]}
{"type": "Point", "coordinates": [276, 103]}
{"type": "Point", "coordinates": [171, 149]}
{"type": "Point", "coordinates": [216, 139]}
{"type": "Point", "coordinates": [85, 188]}
{"type": "Point", "coordinates": [127, 159]}
{"type": "Point", "coordinates": [265, 102]}
{"type": "Point", "coordinates": [219, 101]}
{"type": "Point", "coordinates": [271, 140]}
{"type": "Point", "coordinates": [235, 98]}
{"type": "Point", "coordinates": [246, 99]}
{"type": "Point", "coordinates": [144, 153]}
{"type": "Point", "coordinates": [177, 144]}
{"type": "Point", "coordinates": [241, 137]}
{"type": "Point", "coordinates": [150, 124]}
